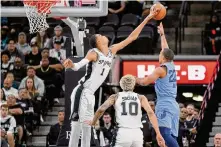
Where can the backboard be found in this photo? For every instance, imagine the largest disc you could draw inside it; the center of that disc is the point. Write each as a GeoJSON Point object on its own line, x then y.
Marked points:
{"type": "Point", "coordinates": [76, 8]}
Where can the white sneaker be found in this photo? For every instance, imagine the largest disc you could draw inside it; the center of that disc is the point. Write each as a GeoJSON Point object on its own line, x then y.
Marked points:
{"type": "Point", "coordinates": [56, 100]}
{"type": "Point", "coordinates": [41, 118]}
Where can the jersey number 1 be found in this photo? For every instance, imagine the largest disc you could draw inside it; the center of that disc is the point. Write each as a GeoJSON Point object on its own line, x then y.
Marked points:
{"type": "Point", "coordinates": [102, 71]}
{"type": "Point", "coordinates": [133, 108]}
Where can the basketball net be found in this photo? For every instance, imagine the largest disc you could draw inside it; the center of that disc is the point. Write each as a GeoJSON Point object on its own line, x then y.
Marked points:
{"type": "Point", "coordinates": [36, 11]}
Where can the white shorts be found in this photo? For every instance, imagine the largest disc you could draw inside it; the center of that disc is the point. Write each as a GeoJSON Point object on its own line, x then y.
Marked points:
{"type": "Point", "coordinates": [126, 137]}
{"type": "Point", "coordinates": [85, 101]}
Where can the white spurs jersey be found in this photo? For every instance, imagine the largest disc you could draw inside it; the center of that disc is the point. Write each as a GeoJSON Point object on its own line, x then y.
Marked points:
{"type": "Point", "coordinates": [97, 72]}
{"type": "Point", "coordinates": [128, 111]}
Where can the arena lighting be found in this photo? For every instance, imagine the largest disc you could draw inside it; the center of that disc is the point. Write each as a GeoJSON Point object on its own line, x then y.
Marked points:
{"type": "Point", "coordinates": [198, 98]}
{"type": "Point", "coordinates": [187, 94]}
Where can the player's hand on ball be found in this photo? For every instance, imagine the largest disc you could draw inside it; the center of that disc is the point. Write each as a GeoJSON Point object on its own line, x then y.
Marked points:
{"type": "Point", "coordinates": [154, 11]}
{"type": "Point", "coordinates": [160, 140]}
{"type": "Point", "coordinates": [160, 29]}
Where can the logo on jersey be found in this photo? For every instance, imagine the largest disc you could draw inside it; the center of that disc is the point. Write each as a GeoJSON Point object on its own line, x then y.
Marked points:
{"type": "Point", "coordinates": [104, 62]}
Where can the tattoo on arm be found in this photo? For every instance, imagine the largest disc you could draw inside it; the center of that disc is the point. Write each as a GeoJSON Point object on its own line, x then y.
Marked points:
{"type": "Point", "coordinates": [108, 103]}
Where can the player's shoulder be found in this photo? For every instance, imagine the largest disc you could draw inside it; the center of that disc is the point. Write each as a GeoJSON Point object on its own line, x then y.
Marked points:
{"type": "Point", "coordinates": [92, 54]}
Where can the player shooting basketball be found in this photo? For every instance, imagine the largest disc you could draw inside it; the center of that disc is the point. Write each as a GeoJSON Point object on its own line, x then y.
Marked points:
{"type": "Point", "coordinates": [164, 76]}
{"type": "Point", "coordinates": [128, 112]}
{"type": "Point", "coordinates": [98, 61]}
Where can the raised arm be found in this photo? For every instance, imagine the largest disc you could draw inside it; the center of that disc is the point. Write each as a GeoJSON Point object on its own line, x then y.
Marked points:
{"type": "Point", "coordinates": [153, 119]}
{"type": "Point", "coordinates": [91, 56]}
{"type": "Point", "coordinates": [157, 73]}
{"type": "Point", "coordinates": [108, 103]}
{"type": "Point", "coordinates": [164, 43]}
{"type": "Point", "coordinates": [133, 36]}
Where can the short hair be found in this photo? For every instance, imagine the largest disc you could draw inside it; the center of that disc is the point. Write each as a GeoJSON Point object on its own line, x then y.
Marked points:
{"type": "Point", "coordinates": [190, 105]}
{"type": "Point", "coordinates": [92, 41]}
{"type": "Point", "coordinates": [61, 110]}
{"type": "Point", "coordinates": [30, 68]}
{"type": "Point", "coordinates": [6, 53]}
{"type": "Point", "coordinates": [106, 113]}
{"type": "Point", "coordinates": [127, 82]}
{"type": "Point", "coordinates": [4, 106]}
{"type": "Point", "coordinates": [11, 39]}
{"type": "Point", "coordinates": [168, 54]}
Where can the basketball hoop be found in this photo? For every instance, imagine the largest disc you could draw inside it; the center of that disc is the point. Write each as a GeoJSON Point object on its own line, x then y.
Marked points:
{"type": "Point", "coordinates": [36, 11]}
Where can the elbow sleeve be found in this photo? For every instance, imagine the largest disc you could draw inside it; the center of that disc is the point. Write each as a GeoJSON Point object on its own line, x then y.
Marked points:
{"type": "Point", "coordinates": [80, 64]}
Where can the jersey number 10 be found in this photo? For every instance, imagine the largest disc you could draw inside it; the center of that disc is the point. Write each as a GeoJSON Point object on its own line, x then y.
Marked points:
{"type": "Point", "coordinates": [133, 108]}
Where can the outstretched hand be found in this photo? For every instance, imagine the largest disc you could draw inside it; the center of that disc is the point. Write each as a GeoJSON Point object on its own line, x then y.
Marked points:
{"type": "Point", "coordinates": [160, 29]}
{"type": "Point", "coordinates": [154, 11]}
{"type": "Point", "coordinates": [68, 63]}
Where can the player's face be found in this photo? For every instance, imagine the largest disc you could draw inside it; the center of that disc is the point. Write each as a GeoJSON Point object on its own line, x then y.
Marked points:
{"type": "Point", "coordinates": [102, 39]}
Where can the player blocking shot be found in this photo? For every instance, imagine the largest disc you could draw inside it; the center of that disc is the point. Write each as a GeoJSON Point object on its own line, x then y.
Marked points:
{"type": "Point", "coordinates": [98, 63]}
{"type": "Point", "coordinates": [128, 112]}
{"type": "Point", "coordinates": [164, 76]}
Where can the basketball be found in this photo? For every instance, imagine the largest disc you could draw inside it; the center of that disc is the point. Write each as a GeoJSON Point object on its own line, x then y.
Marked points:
{"type": "Point", "coordinates": [162, 12]}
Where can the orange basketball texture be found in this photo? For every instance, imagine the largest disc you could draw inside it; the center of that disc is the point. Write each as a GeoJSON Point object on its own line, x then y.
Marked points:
{"type": "Point", "coordinates": [162, 13]}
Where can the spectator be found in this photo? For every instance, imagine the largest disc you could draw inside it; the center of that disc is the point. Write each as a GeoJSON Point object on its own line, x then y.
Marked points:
{"type": "Point", "coordinates": [22, 45]}
{"type": "Point", "coordinates": [58, 52]}
{"type": "Point", "coordinates": [39, 84]}
{"type": "Point", "coordinates": [25, 101]}
{"type": "Point", "coordinates": [35, 97]}
{"type": "Point", "coordinates": [58, 36]}
{"type": "Point", "coordinates": [55, 129]}
{"type": "Point", "coordinates": [116, 7]}
{"type": "Point", "coordinates": [19, 70]}
{"type": "Point", "coordinates": [4, 37]}
{"type": "Point", "coordinates": [13, 51]}
{"type": "Point", "coordinates": [51, 81]}
{"type": "Point", "coordinates": [181, 105]}
{"type": "Point", "coordinates": [212, 40]}
{"type": "Point", "coordinates": [196, 114]}
{"type": "Point", "coordinates": [8, 89]}
{"type": "Point", "coordinates": [8, 125]}
{"type": "Point", "coordinates": [10, 75]}
{"type": "Point", "coordinates": [2, 98]}
{"type": "Point", "coordinates": [34, 57]}
{"type": "Point", "coordinates": [182, 139]}
{"type": "Point", "coordinates": [18, 113]}
{"type": "Point", "coordinates": [191, 124]}
{"type": "Point", "coordinates": [5, 64]}
{"type": "Point", "coordinates": [3, 140]}
{"type": "Point", "coordinates": [41, 40]}
{"type": "Point", "coordinates": [217, 140]}
{"type": "Point", "coordinates": [107, 129]}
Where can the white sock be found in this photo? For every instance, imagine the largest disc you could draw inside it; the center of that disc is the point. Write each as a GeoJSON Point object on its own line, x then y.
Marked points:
{"type": "Point", "coordinates": [86, 135]}
{"type": "Point", "coordinates": [75, 134]}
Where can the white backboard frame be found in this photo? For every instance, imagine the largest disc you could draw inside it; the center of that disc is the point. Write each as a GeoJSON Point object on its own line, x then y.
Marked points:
{"type": "Point", "coordinates": [100, 10]}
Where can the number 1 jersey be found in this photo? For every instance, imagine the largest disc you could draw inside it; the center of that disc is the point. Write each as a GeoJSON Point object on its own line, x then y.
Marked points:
{"type": "Point", "coordinates": [97, 72]}
{"type": "Point", "coordinates": [128, 111]}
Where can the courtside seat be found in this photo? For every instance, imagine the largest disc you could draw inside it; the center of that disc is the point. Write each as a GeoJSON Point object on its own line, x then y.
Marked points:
{"type": "Point", "coordinates": [92, 21]}
{"type": "Point", "coordinates": [122, 33]}
{"type": "Point", "coordinates": [109, 32]}
{"type": "Point", "coordinates": [112, 20]}
{"type": "Point", "coordinates": [129, 20]}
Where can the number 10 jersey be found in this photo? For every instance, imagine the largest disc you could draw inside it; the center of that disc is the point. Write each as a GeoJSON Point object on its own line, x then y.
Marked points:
{"type": "Point", "coordinates": [128, 111]}
{"type": "Point", "coordinates": [97, 72]}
